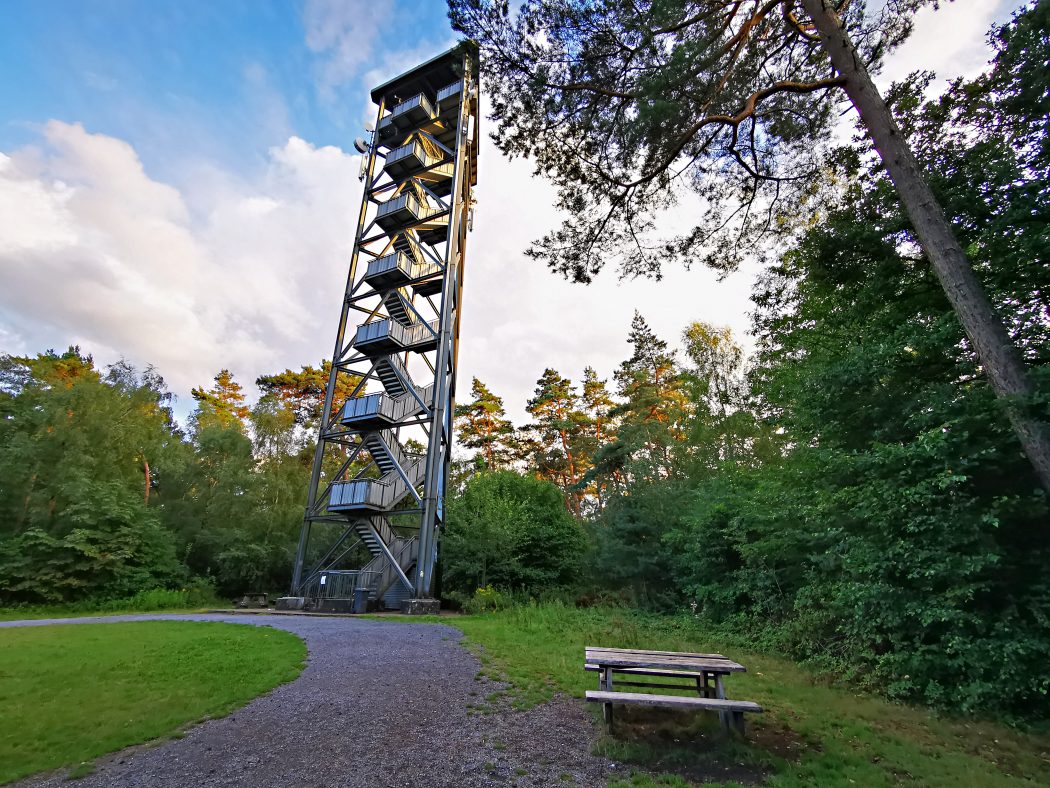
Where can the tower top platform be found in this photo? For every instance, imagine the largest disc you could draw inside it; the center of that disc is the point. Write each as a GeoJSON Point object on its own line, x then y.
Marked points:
{"type": "Point", "coordinates": [429, 77]}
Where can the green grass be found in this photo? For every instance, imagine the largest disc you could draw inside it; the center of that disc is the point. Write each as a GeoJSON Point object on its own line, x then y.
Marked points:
{"type": "Point", "coordinates": [70, 693]}
{"type": "Point", "coordinates": [812, 733]}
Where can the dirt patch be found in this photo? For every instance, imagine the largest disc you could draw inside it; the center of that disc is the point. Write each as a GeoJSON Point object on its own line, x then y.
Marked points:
{"type": "Point", "coordinates": [694, 746]}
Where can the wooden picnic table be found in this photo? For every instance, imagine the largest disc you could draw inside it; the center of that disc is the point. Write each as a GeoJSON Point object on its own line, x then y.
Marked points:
{"type": "Point", "coordinates": [705, 671]}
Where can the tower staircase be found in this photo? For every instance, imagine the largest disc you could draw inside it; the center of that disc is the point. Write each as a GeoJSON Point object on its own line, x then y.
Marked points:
{"type": "Point", "coordinates": [392, 435]}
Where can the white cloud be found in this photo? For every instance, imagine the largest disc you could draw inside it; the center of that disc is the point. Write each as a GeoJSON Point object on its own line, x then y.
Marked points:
{"type": "Point", "coordinates": [518, 318]}
{"type": "Point", "coordinates": [949, 40]}
{"type": "Point", "coordinates": [93, 250]}
{"type": "Point", "coordinates": [344, 33]}
{"type": "Point", "coordinates": [247, 271]}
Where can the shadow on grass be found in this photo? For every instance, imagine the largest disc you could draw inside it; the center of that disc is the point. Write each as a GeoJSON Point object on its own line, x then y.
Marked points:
{"type": "Point", "coordinates": [693, 747]}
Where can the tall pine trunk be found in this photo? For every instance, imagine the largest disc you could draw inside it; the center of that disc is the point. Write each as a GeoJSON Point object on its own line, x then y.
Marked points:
{"type": "Point", "coordinates": [1001, 360]}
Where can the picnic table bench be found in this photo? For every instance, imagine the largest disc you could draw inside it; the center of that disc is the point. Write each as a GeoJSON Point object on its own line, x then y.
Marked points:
{"type": "Point", "coordinates": [704, 672]}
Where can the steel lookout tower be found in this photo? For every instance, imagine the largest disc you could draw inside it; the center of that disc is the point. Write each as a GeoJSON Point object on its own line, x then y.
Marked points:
{"type": "Point", "coordinates": [375, 509]}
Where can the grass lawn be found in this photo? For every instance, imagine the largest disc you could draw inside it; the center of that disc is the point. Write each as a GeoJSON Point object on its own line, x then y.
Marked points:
{"type": "Point", "coordinates": [70, 693]}
{"type": "Point", "coordinates": [811, 734]}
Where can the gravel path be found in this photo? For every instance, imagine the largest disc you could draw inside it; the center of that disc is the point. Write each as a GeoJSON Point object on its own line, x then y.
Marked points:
{"type": "Point", "coordinates": [379, 704]}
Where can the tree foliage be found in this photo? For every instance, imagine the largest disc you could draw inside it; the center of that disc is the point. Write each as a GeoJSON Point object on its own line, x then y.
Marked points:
{"type": "Point", "coordinates": [630, 106]}
{"type": "Point", "coordinates": [102, 496]}
{"type": "Point", "coordinates": [852, 495]}
{"type": "Point", "coordinates": [512, 532]}
{"type": "Point", "coordinates": [303, 392]}
{"type": "Point", "coordinates": [222, 404]}
{"type": "Point", "coordinates": [482, 424]}
{"type": "Point", "coordinates": [80, 452]}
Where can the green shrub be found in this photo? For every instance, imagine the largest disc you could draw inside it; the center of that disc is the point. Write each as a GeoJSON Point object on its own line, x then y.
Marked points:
{"type": "Point", "coordinates": [195, 595]}
{"type": "Point", "coordinates": [509, 532]}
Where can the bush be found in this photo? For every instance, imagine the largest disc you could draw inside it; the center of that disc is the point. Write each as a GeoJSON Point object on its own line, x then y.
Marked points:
{"type": "Point", "coordinates": [508, 532]}
{"type": "Point", "coordinates": [197, 594]}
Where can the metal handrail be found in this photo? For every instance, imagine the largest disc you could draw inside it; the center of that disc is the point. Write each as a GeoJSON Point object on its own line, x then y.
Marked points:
{"type": "Point", "coordinates": [341, 583]}
{"type": "Point", "coordinates": [419, 209]}
{"type": "Point", "coordinates": [405, 151]}
{"type": "Point", "coordinates": [406, 336]}
{"type": "Point", "coordinates": [449, 90]}
{"type": "Point", "coordinates": [381, 493]}
{"type": "Point", "coordinates": [382, 404]}
{"type": "Point", "coordinates": [419, 100]}
{"type": "Point", "coordinates": [412, 268]}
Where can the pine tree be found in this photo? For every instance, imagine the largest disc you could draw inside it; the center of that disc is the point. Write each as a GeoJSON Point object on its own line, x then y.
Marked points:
{"type": "Point", "coordinates": [597, 404]}
{"type": "Point", "coordinates": [599, 428]}
{"type": "Point", "coordinates": [621, 103]}
{"type": "Point", "coordinates": [222, 405]}
{"type": "Point", "coordinates": [304, 391]}
{"type": "Point", "coordinates": [558, 422]}
{"type": "Point", "coordinates": [482, 424]}
{"type": "Point", "coordinates": [655, 402]}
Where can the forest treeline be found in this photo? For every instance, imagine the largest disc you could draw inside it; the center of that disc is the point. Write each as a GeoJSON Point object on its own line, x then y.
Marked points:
{"type": "Point", "coordinates": [850, 493]}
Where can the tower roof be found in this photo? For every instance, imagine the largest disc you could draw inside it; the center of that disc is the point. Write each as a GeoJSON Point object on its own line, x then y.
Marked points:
{"type": "Point", "coordinates": [428, 77]}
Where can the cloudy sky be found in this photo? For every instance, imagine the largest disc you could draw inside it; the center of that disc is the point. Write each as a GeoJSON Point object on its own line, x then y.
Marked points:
{"type": "Point", "coordinates": [178, 187]}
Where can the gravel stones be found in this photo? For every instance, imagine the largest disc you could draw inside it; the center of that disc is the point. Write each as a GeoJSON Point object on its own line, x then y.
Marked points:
{"type": "Point", "coordinates": [379, 704]}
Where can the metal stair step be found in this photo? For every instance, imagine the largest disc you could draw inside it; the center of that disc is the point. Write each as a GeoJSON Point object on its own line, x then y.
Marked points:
{"type": "Point", "coordinates": [394, 302]}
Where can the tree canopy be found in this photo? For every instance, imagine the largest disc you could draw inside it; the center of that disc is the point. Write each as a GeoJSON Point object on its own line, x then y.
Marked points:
{"type": "Point", "coordinates": [630, 106]}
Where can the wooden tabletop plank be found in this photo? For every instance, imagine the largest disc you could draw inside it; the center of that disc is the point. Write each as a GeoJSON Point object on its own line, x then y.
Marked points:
{"type": "Point", "coordinates": [680, 663]}
{"type": "Point", "coordinates": [598, 655]}
{"type": "Point", "coordinates": [646, 651]}
{"type": "Point", "coordinates": [605, 657]}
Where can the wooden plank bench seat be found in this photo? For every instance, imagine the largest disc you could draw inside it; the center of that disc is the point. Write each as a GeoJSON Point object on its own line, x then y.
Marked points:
{"type": "Point", "coordinates": [705, 670]}
{"type": "Point", "coordinates": [735, 709]}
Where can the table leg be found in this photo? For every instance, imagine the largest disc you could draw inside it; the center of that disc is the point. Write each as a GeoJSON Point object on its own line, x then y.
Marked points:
{"type": "Point", "coordinates": [720, 693]}
{"type": "Point", "coordinates": [738, 723]}
{"type": "Point", "coordinates": [605, 682]}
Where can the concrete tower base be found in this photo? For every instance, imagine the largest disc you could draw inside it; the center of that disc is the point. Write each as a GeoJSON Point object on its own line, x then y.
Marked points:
{"type": "Point", "coordinates": [420, 607]}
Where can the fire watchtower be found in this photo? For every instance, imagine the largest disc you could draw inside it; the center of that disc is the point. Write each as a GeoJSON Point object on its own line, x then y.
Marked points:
{"type": "Point", "coordinates": [382, 459]}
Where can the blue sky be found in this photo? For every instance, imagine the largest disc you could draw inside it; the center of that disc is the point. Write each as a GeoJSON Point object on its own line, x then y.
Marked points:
{"type": "Point", "coordinates": [178, 186]}
{"type": "Point", "coordinates": [223, 79]}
